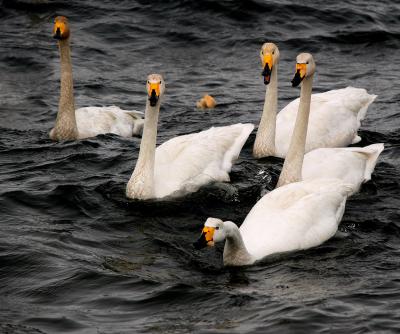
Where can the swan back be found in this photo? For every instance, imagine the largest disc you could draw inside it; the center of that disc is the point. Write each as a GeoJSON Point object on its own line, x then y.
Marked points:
{"type": "Point", "coordinates": [335, 118]}
{"type": "Point", "coordinates": [353, 165]}
{"type": "Point", "coordinates": [185, 163]}
{"type": "Point", "coordinates": [296, 216]}
{"type": "Point", "coordinates": [92, 121]}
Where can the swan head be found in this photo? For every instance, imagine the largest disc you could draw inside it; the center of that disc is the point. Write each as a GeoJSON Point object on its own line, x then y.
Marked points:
{"type": "Point", "coordinates": [212, 232]}
{"type": "Point", "coordinates": [61, 28]}
{"type": "Point", "coordinates": [305, 67]}
{"type": "Point", "coordinates": [155, 88]}
{"type": "Point", "coordinates": [269, 55]}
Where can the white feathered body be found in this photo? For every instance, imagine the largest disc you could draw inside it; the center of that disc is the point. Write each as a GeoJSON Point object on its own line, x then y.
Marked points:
{"type": "Point", "coordinates": [297, 216]}
{"type": "Point", "coordinates": [92, 121]}
{"type": "Point", "coordinates": [335, 118]}
{"type": "Point", "coordinates": [352, 165]}
{"type": "Point", "coordinates": [185, 163]}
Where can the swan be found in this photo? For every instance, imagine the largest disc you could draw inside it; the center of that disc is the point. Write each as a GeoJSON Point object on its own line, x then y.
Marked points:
{"type": "Point", "coordinates": [184, 163]}
{"type": "Point", "coordinates": [353, 165]}
{"type": "Point", "coordinates": [298, 214]}
{"type": "Point", "coordinates": [334, 119]}
{"type": "Point", "coordinates": [90, 121]}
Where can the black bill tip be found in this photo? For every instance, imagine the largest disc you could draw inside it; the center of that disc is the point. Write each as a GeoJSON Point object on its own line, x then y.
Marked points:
{"type": "Point", "coordinates": [266, 73]}
{"type": "Point", "coordinates": [153, 98]}
{"type": "Point", "coordinates": [57, 34]}
{"type": "Point", "coordinates": [201, 242]}
{"type": "Point", "coordinates": [297, 79]}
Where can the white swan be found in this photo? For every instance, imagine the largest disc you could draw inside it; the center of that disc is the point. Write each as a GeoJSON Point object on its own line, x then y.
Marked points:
{"type": "Point", "coordinates": [182, 164]}
{"type": "Point", "coordinates": [352, 165]}
{"type": "Point", "coordinates": [334, 119]}
{"type": "Point", "coordinates": [85, 122]}
{"type": "Point", "coordinates": [296, 216]}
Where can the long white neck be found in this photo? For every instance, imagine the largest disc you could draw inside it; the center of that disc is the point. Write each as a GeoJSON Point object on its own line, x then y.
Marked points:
{"type": "Point", "coordinates": [235, 251]}
{"type": "Point", "coordinates": [291, 171]}
{"type": "Point", "coordinates": [264, 144]}
{"type": "Point", "coordinates": [141, 183]}
{"type": "Point", "coordinates": [65, 127]}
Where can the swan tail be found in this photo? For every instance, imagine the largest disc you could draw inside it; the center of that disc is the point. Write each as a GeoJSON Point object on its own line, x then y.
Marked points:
{"type": "Point", "coordinates": [363, 111]}
{"type": "Point", "coordinates": [356, 99]}
{"type": "Point", "coordinates": [372, 153]}
{"type": "Point", "coordinates": [356, 139]}
{"type": "Point", "coordinates": [233, 152]}
{"type": "Point", "coordinates": [138, 126]}
{"type": "Point", "coordinates": [138, 121]}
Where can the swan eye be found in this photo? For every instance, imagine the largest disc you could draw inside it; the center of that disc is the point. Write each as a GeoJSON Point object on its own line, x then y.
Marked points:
{"type": "Point", "coordinates": [307, 63]}
{"type": "Point", "coordinates": [273, 52]}
{"type": "Point", "coordinates": [160, 82]}
{"type": "Point", "coordinates": [148, 82]}
{"type": "Point", "coordinates": [217, 228]}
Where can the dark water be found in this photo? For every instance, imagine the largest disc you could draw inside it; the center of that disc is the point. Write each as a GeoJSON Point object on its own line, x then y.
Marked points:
{"type": "Point", "coordinates": [77, 257]}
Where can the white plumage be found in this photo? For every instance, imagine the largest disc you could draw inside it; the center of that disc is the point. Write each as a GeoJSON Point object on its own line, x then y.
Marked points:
{"type": "Point", "coordinates": [184, 163]}
{"type": "Point", "coordinates": [92, 121]}
{"type": "Point", "coordinates": [297, 216]}
{"type": "Point", "coordinates": [353, 165]}
{"type": "Point", "coordinates": [335, 117]}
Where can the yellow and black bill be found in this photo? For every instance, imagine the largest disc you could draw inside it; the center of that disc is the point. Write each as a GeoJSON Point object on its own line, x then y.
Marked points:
{"type": "Point", "coordinates": [206, 238]}
{"type": "Point", "coordinates": [267, 68]}
{"type": "Point", "coordinates": [153, 92]}
{"type": "Point", "coordinates": [301, 70]}
{"type": "Point", "coordinates": [60, 28]}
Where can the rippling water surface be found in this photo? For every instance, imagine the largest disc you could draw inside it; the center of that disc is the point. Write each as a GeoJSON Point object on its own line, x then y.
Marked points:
{"type": "Point", "coordinates": [77, 257]}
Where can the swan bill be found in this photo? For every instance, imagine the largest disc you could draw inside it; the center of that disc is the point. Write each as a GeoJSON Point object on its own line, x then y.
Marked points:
{"type": "Point", "coordinates": [154, 93]}
{"type": "Point", "coordinates": [301, 70]}
{"type": "Point", "coordinates": [60, 28]}
{"type": "Point", "coordinates": [206, 238]}
{"type": "Point", "coordinates": [297, 79]}
{"type": "Point", "coordinates": [153, 98]}
{"type": "Point", "coordinates": [267, 64]}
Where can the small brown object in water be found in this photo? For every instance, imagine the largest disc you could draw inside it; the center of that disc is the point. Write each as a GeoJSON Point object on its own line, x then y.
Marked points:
{"type": "Point", "coordinates": [206, 102]}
